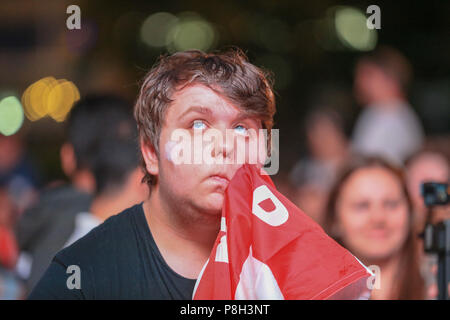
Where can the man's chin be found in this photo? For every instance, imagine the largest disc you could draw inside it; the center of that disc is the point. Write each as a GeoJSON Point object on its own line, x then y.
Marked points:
{"type": "Point", "coordinates": [213, 204]}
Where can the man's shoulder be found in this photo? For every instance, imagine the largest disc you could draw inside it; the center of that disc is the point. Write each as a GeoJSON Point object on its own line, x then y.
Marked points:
{"type": "Point", "coordinates": [84, 223]}
{"type": "Point", "coordinates": [62, 193]}
{"type": "Point", "coordinates": [103, 243]}
{"type": "Point", "coordinates": [58, 202]}
{"type": "Point", "coordinates": [102, 259]}
{"type": "Point", "coordinates": [51, 219]}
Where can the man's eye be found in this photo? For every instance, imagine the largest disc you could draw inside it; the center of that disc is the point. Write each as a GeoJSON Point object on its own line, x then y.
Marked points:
{"type": "Point", "coordinates": [199, 125]}
{"type": "Point", "coordinates": [240, 129]}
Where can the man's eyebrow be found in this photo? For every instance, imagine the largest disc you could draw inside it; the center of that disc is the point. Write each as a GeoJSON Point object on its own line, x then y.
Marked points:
{"type": "Point", "coordinates": [242, 116]}
{"type": "Point", "coordinates": [246, 116]}
{"type": "Point", "coordinates": [197, 109]}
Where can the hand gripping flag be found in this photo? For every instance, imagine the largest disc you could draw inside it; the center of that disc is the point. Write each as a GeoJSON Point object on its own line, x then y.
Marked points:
{"type": "Point", "coordinates": [267, 248]}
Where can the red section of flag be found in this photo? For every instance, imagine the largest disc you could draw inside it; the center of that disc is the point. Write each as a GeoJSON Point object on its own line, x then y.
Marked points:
{"type": "Point", "coordinates": [269, 249]}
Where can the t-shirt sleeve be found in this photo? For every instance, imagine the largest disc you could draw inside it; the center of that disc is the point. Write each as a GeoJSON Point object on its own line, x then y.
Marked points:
{"type": "Point", "coordinates": [55, 283]}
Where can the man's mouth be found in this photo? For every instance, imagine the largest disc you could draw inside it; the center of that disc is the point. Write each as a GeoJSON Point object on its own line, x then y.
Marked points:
{"type": "Point", "coordinates": [220, 179]}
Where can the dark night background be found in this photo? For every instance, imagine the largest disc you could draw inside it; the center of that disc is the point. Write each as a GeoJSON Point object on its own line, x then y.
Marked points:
{"type": "Point", "coordinates": [107, 54]}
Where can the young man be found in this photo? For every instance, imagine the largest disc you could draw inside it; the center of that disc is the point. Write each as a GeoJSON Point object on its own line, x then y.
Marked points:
{"type": "Point", "coordinates": [156, 250]}
{"type": "Point", "coordinates": [116, 171]}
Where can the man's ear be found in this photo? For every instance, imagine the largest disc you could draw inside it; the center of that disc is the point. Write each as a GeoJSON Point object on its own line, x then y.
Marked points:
{"type": "Point", "coordinates": [68, 161]}
{"type": "Point", "coordinates": [150, 157]}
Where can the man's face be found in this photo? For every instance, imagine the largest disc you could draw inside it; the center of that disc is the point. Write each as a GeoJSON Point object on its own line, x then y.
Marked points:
{"type": "Point", "coordinates": [198, 110]}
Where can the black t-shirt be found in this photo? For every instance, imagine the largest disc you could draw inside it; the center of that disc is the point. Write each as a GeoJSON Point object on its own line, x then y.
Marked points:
{"type": "Point", "coordinates": [117, 260]}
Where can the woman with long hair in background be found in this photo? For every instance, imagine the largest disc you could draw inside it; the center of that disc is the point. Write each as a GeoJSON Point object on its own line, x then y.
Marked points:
{"type": "Point", "coordinates": [369, 213]}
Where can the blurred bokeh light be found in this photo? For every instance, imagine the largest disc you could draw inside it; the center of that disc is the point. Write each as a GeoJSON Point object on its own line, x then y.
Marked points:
{"type": "Point", "coordinates": [186, 31]}
{"type": "Point", "coordinates": [344, 28]}
{"type": "Point", "coordinates": [352, 30]}
{"type": "Point", "coordinates": [11, 115]}
{"type": "Point", "coordinates": [191, 32]}
{"type": "Point", "coordinates": [156, 28]}
{"type": "Point", "coordinates": [61, 99]}
{"type": "Point", "coordinates": [49, 97]}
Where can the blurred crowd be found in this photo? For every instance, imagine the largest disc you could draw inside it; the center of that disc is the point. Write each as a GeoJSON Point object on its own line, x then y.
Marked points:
{"type": "Point", "coordinates": [363, 189]}
{"type": "Point", "coordinates": [100, 158]}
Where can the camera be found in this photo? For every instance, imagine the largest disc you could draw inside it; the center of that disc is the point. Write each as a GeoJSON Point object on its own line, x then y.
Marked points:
{"type": "Point", "coordinates": [435, 193]}
{"type": "Point", "coordinates": [437, 236]}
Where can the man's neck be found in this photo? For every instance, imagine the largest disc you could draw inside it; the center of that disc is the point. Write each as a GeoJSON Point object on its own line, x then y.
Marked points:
{"type": "Point", "coordinates": [390, 101]}
{"type": "Point", "coordinates": [184, 239]}
{"type": "Point", "coordinates": [83, 181]}
{"type": "Point", "coordinates": [104, 206]}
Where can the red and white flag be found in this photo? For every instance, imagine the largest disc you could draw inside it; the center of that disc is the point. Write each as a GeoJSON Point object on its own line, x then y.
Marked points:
{"type": "Point", "coordinates": [267, 248]}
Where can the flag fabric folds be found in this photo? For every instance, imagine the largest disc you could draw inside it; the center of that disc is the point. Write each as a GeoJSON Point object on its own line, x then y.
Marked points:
{"type": "Point", "coordinates": [267, 248]}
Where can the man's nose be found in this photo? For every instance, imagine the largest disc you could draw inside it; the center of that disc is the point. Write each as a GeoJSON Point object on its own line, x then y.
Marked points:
{"type": "Point", "coordinates": [223, 144]}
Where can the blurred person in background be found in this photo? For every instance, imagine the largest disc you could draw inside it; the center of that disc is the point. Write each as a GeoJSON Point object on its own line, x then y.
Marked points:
{"type": "Point", "coordinates": [427, 166]}
{"type": "Point", "coordinates": [8, 247]}
{"type": "Point", "coordinates": [45, 228]}
{"type": "Point", "coordinates": [314, 175]}
{"type": "Point", "coordinates": [11, 286]}
{"type": "Point", "coordinates": [369, 213]}
{"type": "Point", "coordinates": [18, 174]}
{"type": "Point", "coordinates": [429, 267]}
{"type": "Point", "coordinates": [118, 177]}
{"type": "Point", "coordinates": [388, 126]}
{"type": "Point", "coordinates": [424, 166]}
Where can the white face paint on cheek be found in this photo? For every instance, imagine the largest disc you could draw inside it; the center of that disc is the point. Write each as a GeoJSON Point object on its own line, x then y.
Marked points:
{"type": "Point", "coordinates": [168, 150]}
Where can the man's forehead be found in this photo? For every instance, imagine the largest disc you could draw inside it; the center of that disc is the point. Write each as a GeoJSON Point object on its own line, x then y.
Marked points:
{"type": "Point", "coordinates": [200, 95]}
{"type": "Point", "coordinates": [201, 99]}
